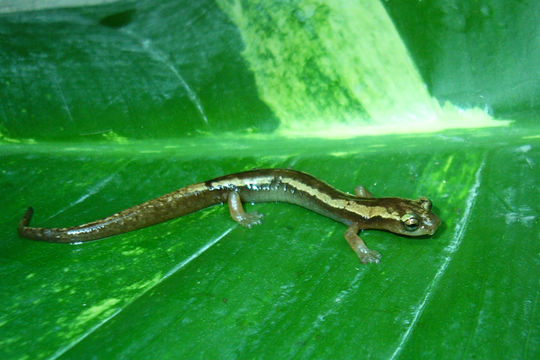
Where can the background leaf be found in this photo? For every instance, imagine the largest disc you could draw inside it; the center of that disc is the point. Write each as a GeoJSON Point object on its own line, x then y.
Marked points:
{"type": "Point", "coordinates": [106, 105]}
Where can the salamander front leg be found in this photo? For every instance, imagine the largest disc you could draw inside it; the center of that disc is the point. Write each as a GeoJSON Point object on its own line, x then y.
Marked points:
{"type": "Point", "coordinates": [239, 215]}
{"type": "Point", "coordinates": [358, 245]}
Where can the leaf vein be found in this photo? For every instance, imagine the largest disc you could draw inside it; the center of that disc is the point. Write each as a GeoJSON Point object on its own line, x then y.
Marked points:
{"type": "Point", "coordinates": [450, 251]}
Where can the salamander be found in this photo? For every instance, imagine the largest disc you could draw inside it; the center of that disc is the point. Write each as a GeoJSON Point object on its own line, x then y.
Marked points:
{"type": "Point", "coordinates": [358, 212]}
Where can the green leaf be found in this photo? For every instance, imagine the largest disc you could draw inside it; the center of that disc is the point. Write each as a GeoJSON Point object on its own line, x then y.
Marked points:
{"type": "Point", "coordinates": [109, 105]}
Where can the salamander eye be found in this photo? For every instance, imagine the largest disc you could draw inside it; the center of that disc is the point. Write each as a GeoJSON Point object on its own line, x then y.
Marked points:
{"type": "Point", "coordinates": [410, 221]}
{"type": "Point", "coordinates": [425, 203]}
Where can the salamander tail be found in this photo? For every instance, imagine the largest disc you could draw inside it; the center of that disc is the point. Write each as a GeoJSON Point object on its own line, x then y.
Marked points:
{"type": "Point", "coordinates": [25, 221]}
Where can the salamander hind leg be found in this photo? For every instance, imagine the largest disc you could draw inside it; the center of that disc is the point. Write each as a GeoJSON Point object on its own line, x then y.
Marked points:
{"type": "Point", "coordinates": [362, 192]}
{"type": "Point", "coordinates": [239, 215]}
{"type": "Point", "coordinates": [358, 245]}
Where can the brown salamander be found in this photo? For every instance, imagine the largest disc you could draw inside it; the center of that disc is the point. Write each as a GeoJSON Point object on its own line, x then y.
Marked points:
{"type": "Point", "coordinates": [358, 212]}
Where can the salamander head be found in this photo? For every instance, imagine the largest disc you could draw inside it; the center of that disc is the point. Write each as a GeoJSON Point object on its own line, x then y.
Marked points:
{"type": "Point", "coordinates": [416, 218]}
{"type": "Point", "coordinates": [404, 217]}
